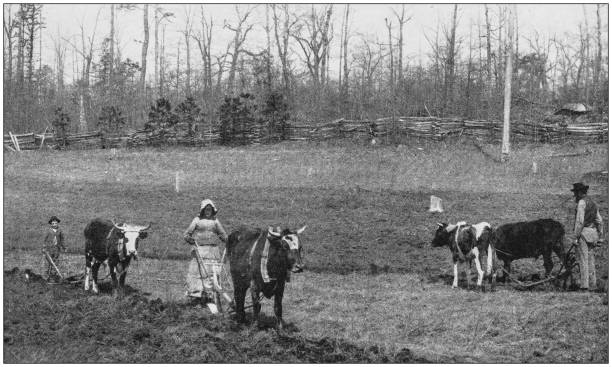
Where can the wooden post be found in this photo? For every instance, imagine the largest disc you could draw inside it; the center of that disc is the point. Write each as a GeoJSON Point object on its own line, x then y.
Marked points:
{"type": "Point", "coordinates": [176, 182]}
{"type": "Point", "coordinates": [507, 90]}
{"type": "Point", "coordinates": [42, 141]}
{"type": "Point", "coordinates": [15, 141]}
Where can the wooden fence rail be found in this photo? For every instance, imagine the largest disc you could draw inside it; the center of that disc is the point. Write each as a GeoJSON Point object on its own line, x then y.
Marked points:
{"type": "Point", "coordinates": [382, 128]}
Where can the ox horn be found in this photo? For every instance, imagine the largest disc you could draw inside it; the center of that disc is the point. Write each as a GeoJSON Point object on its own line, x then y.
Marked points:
{"type": "Point", "coordinates": [300, 230]}
{"type": "Point", "coordinates": [440, 225]}
{"type": "Point", "coordinates": [116, 225]}
{"type": "Point", "coordinates": [271, 231]}
{"type": "Point", "coordinates": [145, 228]}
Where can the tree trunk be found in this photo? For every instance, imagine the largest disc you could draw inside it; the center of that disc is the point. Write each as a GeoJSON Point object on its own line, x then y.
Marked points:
{"type": "Point", "coordinates": [143, 54]}
{"type": "Point", "coordinates": [32, 15]}
{"type": "Point", "coordinates": [489, 85]}
{"type": "Point", "coordinates": [400, 44]}
{"type": "Point", "coordinates": [508, 88]}
{"type": "Point", "coordinates": [239, 37]}
{"type": "Point", "coordinates": [449, 80]}
{"type": "Point", "coordinates": [597, 71]}
{"type": "Point", "coordinates": [187, 34]}
{"type": "Point", "coordinates": [20, 48]}
{"type": "Point", "coordinates": [587, 91]}
{"type": "Point", "coordinates": [156, 77]}
{"type": "Point", "coordinates": [345, 86]}
{"type": "Point", "coordinates": [178, 72]}
{"type": "Point", "coordinates": [340, 87]}
{"type": "Point", "coordinates": [82, 120]}
{"type": "Point", "coordinates": [391, 63]}
{"type": "Point", "coordinates": [8, 59]}
{"type": "Point", "coordinates": [112, 45]}
{"type": "Point", "coordinates": [500, 53]}
{"type": "Point", "coordinates": [162, 62]}
{"type": "Point", "coordinates": [268, 48]}
{"type": "Point", "coordinates": [282, 44]}
{"type": "Point", "coordinates": [467, 111]}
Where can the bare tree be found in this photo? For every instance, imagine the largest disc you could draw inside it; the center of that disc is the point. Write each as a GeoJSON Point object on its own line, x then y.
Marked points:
{"type": "Point", "coordinates": [282, 42]}
{"type": "Point", "coordinates": [587, 56]}
{"type": "Point", "coordinates": [597, 66]}
{"type": "Point", "coordinates": [401, 19]}
{"type": "Point", "coordinates": [21, 46]}
{"type": "Point", "coordinates": [241, 30]}
{"type": "Point", "coordinates": [489, 84]}
{"type": "Point", "coordinates": [368, 60]}
{"type": "Point", "coordinates": [311, 35]}
{"type": "Point", "coordinates": [449, 62]}
{"type": "Point", "coordinates": [437, 61]}
{"type": "Point", "coordinates": [187, 34]}
{"type": "Point", "coordinates": [32, 25]}
{"type": "Point", "coordinates": [268, 49]}
{"type": "Point", "coordinates": [112, 45]}
{"type": "Point", "coordinates": [145, 47]}
{"type": "Point", "coordinates": [86, 51]}
{"type": "Point", "coordinates": [505, 149]}
{"type": "Point", "coordinates": [345, 38]}
{"type": "Point", "coordinates": [60, 54]}
{"type": "Point", "coordinates": [389, 25]}
{"type": "Point", "coordinates": [221, 66]}
{"type": "Point", "coordinates": [11, 28]}
{"type": "Point", "coordinates": [159, 16]}
{"type": "Point", "coordinates": [204, 40]}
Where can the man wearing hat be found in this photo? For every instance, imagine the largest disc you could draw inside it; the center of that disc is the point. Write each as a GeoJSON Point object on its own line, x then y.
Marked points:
{"type": "Point", "coordinates": [588, 230]}
{"type": "Point", "coordinates": [53, 244]}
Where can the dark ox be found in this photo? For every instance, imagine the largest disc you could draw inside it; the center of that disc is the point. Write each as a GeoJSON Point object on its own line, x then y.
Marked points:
{"type": "Point", "coordinates": [117, 243]}
{"type": "Point", "coordinates": [521, 240]}
{"type": "Point", "coordinates": [467, 243]}
{"type": "Point", "coordinates": [261, 260]}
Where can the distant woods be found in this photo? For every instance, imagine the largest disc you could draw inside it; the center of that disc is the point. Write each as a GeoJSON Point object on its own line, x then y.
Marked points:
{"type": "Point", "coordinates": [310, 65]}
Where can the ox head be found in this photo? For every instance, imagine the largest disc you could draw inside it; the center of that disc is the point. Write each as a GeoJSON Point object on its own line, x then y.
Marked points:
{"type": "Point", "coordinates": [290, 243]}
{"type": "Point", "coordinates": [130, 235]}
{"type": "Point", "coordinates": [443, 234]}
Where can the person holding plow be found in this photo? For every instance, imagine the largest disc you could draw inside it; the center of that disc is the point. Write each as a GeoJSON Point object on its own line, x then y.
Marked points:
{"type": "Point", "coordinates": [588, 229]}
{"type": "Point", "coordinates": [203, 234]}
{"type": "Point", "coordinates": [53, 243]}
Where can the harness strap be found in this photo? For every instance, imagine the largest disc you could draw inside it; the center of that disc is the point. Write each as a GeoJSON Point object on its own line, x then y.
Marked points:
{"type": "Point", "coordinates": [253, 249]}
{"type": "Point", "coordinates": [264, 263]}
{"type": "Point", "coordinates": [462, 255]}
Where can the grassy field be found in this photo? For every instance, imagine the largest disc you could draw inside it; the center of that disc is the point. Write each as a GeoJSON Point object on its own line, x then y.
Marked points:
{"type": "Point", "coordinates": [366, 210]}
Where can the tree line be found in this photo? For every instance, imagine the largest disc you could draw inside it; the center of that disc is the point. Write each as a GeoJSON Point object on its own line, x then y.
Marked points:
{"type": "Point", "coordinates": [463, 74]}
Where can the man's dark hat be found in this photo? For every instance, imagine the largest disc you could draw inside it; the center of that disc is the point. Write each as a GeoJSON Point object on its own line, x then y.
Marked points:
{"type": "Point", "coordinates": [580, 187]}
{"type": "Point", "coordinates": [54, 218]}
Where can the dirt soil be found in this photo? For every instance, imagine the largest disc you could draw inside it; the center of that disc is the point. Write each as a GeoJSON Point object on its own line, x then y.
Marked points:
{"type": "Point", "coordinates": [59, 323]}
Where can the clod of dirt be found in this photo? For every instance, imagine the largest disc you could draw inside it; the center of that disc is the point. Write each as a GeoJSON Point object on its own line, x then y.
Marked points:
{"type": "Point", "coordinates": [63, 324]}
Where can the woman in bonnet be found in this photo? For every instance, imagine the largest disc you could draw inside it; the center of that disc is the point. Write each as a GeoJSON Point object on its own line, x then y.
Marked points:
{"type": "Point", "coordinates": [204, 233]}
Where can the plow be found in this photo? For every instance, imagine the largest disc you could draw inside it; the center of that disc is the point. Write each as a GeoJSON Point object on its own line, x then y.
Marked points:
{"type": "Point", "coordinates": [565, 274]}
{"type": "Point", "coordinates": [222, 286]}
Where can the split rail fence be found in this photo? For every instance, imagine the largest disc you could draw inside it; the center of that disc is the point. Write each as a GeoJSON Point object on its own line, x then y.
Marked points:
{"type": "Point", "coordinates": [383, 130]}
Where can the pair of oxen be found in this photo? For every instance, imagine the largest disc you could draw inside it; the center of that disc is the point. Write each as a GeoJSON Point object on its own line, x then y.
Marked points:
{"type": "Point", "coordinates": [259, 259]}
{"type": "Point", "coordinates": [508, 242]}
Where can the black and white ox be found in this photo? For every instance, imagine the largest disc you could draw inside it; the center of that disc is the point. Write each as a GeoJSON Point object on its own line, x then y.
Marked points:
{"type": "Point", "coordinates": [262, 260]}
{"type": "Point", "coordinates": [467, 243]}
{"type": "Point", "coordinates": [117, 243]}
{"type": "Point", "coordinates": [521, 240]}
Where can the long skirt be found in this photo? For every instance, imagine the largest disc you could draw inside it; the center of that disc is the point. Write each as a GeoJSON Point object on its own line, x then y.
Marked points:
{"type": "Point", "coordinates": [199, 281]}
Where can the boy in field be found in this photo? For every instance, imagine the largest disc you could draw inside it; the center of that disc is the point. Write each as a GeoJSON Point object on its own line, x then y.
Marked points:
{"type": "Point", "coordinates": [52, 245]}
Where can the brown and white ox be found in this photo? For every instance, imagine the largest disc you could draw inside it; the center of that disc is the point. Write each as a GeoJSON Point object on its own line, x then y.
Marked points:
{"type": "Point", "coordinates": [262, 260]}
{"type": "Point", "coordinates": [115, 243]}
{"type": "Point", "coordinates": [467, 243]}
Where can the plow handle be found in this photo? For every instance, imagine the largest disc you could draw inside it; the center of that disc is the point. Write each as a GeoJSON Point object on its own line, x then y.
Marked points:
{"type": "Point", "coordinates": [50, 260]}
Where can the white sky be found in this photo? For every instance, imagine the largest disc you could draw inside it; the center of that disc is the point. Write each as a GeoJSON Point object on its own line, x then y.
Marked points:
{"type": "Point", "coordinates": [365, 19]}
